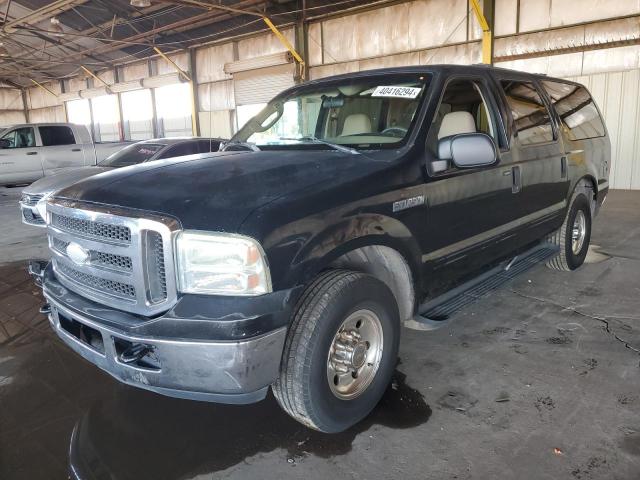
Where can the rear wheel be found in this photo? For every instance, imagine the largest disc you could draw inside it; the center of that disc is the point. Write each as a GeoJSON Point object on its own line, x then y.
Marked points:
{"type": "Point", "coordinates": [574, 236]}
{"type": "Point", "coordinates": [340, 352]}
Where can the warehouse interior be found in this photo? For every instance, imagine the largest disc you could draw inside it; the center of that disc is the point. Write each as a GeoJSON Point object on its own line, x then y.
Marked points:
{"type": "Point", "coordinates": [536, 380]}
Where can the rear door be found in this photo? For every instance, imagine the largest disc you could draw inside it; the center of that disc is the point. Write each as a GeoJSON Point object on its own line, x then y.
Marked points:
{"type": "Point", "coordinates": [20, 160]}
{"type": "Point", "coordinates": [540, 176]}
{"type": "Point", "coordinates": [59, 148]}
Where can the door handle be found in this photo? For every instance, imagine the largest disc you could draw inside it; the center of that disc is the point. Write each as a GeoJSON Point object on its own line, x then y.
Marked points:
{"type": "Point", "coordinates": [563, 166]}
{"type": "Point", "coordinates": [516, 179]}
{"type": "Point", "coordinates": [76, 149]}
{"type": "Point", "coordinates": [32, 153]}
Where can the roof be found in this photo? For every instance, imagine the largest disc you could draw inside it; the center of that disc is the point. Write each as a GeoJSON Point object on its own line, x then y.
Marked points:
{"type": "Point", "coordinates": [174, 140]}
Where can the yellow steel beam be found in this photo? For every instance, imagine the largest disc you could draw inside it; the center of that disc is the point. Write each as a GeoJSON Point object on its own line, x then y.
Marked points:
{"type": "Point", "coordinates": [487, 54]}
{"type": "Point", "coordinates": [187, 77]}
{"type": "Point", "coordinates": [184, 74]}
{"type": "Point", "coordinates": [283, 40]}
{"type": "Point", "coordinates": [43, 87]}
{"type": "Point", "coordinates": [89, 72]}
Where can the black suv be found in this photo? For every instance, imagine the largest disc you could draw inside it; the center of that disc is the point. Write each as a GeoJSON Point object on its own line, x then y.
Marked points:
{"type": "Point", "coordinates": [292, 259]}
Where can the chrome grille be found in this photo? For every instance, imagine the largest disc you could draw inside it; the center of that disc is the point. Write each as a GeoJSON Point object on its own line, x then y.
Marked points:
{"type": "Point", "coordinates": [117, 289]}
{"type": "Point", "coordinates": [110, 260]}
{"type": "Point", "coordinates": [128, 262]}
{"type": "Point", "coordinates": [87, 228]}
{"type": "Point", "coordinates": [30, 200]}
{"type": "Point", "coordinates": [101, 259]}
{"type": "Point", "coordinates": [32, 217]}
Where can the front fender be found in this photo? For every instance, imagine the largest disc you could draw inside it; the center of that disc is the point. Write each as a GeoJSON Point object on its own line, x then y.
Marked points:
{"type": "Point", "coordinates": [312, 245]}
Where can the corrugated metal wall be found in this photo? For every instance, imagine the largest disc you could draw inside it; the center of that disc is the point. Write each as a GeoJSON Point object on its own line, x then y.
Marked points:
{"type": "Point", "coordinates": [617, 94]}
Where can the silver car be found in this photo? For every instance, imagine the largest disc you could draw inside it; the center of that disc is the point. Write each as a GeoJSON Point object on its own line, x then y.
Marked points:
{"type": "Point", "coordinates": [34, 197]}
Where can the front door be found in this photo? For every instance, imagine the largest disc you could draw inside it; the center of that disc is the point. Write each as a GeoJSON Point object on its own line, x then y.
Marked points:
{"type": "Point", "coordinates": [19, 156]}
{"type": "Point", "coordinates": [469, 210]}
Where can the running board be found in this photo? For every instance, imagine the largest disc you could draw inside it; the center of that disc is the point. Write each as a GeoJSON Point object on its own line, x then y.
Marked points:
{"type": "Point", "coordinates": [438, 312]}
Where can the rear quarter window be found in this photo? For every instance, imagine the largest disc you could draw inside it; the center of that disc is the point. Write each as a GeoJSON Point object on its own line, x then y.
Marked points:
{"type": "Point", "coordinates": [576, 109]}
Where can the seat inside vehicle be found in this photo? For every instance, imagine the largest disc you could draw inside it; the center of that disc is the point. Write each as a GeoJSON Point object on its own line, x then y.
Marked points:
{"type": "Point", "coordinates": [356, 124]}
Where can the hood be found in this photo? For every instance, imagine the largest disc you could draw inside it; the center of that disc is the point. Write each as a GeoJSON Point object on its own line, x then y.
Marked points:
{"type": "Point", "coordinates": [218, 191]}
{"type": "Point", "coordinates": [61, 178]}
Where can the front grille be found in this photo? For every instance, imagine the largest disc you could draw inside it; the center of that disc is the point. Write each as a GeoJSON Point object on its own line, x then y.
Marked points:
{"type": "Point", "coordinates": [87, 228]}
{"type": "Point", "coordinates": [110, 287]}
{"type": "Point", "coordinates": [30, 200]}
{"type": "Point", "coordinates": [111, 260]}
{"type": "Point", "coordinates": [31, 217]}
{"type": "Point", "coordinates": [100, 259]}
{"type": "Point", "coordinates": [155, 262]}
{"type": "Point", "coordinates": [127, 264]}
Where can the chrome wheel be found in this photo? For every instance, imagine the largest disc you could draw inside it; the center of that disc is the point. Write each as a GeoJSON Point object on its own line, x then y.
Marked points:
{"type": "Point", "coordinates": [579, 232]}
{"type": "Point", "coordinates": [354, 355]}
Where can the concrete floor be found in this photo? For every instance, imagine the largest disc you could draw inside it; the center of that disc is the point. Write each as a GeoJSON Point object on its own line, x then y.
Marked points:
{"type": "Point", "coordinates": [540, 380]}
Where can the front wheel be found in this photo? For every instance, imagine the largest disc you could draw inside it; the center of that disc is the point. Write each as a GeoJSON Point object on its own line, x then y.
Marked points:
{"type": "Point", "coordinates": [574, 236]}
{"type": "Point", "coordinates": [340, 352]}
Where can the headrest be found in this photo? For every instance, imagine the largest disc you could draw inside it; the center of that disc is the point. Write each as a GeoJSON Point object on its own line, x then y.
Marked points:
{"type": "Point", "coordinates": [456, 122]}
{"type": "Point", "coordinates": [356, 123]}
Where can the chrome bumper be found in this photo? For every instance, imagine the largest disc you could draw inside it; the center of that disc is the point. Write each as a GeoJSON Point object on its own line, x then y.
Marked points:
{"type": "Point", "coordinates": [235, 371]}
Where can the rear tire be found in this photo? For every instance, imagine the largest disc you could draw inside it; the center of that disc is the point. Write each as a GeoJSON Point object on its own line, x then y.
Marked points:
{"type": "Point", "coordinates": [345, 324]}
{"type": "Point", "coordinates": [574, 236]}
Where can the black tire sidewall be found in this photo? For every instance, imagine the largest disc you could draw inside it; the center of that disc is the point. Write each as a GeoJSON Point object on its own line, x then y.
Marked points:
{"type": "Point", "coordinates": [330, 413]}
{"type": "Point", "coordinates": [575, 260]}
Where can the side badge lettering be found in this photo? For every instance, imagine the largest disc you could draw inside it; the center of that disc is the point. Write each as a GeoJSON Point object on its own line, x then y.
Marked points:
{"type": "Point", "coordinates": [408, 203]}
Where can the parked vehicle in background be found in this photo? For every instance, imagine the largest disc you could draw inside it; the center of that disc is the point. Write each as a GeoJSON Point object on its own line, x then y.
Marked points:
{"type": "Point", "coordinates": [32, 151]}
{"type": "Point", "coordinates": [34, 197]}
{"type": "Point", "coordinates": [292, 265]}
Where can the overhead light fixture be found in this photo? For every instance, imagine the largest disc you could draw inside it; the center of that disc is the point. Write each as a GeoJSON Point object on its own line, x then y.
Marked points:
{"type": "Point", "coordinates": [141, 3]}
{"type": "Point", "coordinates": [56, 28]}
{"type": "Point", "coordinates": [3, 50]}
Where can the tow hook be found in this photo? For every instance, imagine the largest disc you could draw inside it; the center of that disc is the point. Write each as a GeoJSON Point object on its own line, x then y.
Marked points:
{"type": "Point", "coordinates": [45, 309]}
{"type": "Point", "coordinates": [135, 353]}
{"type": "Point", "coordinates": [36, 269]}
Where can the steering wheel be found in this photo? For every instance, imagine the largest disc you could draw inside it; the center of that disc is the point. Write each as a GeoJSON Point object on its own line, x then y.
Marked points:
{"type": "Point", "coordinates": [395, 131]}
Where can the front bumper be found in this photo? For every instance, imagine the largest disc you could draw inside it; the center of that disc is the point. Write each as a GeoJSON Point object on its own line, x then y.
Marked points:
{"type": "Point", "coordinates": [227, 359]}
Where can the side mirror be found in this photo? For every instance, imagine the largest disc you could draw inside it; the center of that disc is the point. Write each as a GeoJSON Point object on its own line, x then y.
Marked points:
{"type": "Point", "coordinates": [4, 143]}
{"type": "Point", "coordinates": [465, 150]}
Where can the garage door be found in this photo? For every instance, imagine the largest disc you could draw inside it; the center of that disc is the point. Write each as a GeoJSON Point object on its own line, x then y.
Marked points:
{"type": "Point", "coordinates": [261, 85]}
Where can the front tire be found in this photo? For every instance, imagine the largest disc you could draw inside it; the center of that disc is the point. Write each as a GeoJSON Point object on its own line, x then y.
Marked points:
{"type": "Point", "coordinates": [574, 236]}
{"type": "Point", "coordinates": [340, 351]}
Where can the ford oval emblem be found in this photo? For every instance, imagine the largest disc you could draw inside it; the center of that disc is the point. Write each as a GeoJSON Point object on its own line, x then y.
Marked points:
{"type": "Point", "coordinates": [77, 254]}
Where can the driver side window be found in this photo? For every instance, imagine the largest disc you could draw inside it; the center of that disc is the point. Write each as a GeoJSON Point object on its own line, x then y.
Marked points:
{"type": "Point", "coordinates": [20, 138]}
{"type": "Point", "coordinates": [463, 109]}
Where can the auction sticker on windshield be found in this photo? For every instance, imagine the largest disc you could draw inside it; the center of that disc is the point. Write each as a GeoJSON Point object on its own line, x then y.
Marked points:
{"type": "Point", "coordinates": [396, 92]}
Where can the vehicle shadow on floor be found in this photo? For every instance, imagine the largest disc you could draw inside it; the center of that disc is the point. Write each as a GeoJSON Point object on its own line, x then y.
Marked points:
{"type": "Point", "coordinates": [132, 434]}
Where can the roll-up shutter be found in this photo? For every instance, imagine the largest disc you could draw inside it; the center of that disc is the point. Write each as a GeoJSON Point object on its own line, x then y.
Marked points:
{"type": "Point", "coordinates": [262, 84]}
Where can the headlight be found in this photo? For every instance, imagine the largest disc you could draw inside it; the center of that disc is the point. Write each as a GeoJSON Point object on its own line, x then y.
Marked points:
{"type": "Point", "coordinates": [220, 264]}
{"type": "Point", "coordinates": [41, 206]}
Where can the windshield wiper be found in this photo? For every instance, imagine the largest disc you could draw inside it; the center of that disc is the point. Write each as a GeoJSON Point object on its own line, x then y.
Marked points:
{"type": "Point", "coordinates": [311, 139]}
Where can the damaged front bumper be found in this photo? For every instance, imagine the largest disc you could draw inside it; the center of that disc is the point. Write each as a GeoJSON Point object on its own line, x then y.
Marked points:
{"type": "Point", "coordinates": [223, 349]}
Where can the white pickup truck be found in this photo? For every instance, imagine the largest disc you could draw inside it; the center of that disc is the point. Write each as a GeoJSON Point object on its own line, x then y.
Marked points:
{"type": "Point", "coordinates": [31, 151]}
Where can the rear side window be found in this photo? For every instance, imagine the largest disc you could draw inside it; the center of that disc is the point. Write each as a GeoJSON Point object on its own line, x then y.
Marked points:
{"type": "Point", "coordinates": [530, 114]}
{"type": "Point", "coordinates": [181, 149]}
{"type": "Point", "coordinates": [577, 110]}
{"type": "Point", "coordinates": [206, 146]}
{"type": "Point", "coordinates": [56, 135]}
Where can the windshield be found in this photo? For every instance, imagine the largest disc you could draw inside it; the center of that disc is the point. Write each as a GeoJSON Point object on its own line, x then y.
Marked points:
{"type": "Point", "coordinates": [131, 155]}
{"type": "Point", "coordinates": [362, 113]}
